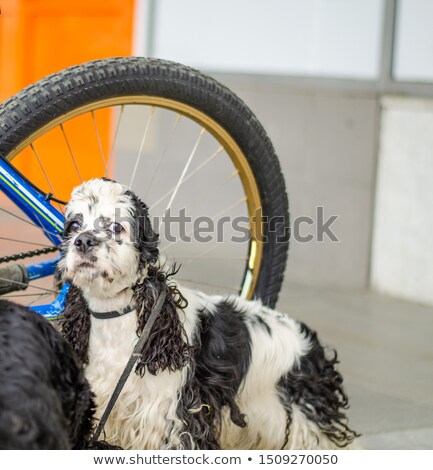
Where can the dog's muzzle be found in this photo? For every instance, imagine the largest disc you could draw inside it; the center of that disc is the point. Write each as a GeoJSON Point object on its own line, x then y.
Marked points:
{"type": "Point", "coordinates": [85, 242]}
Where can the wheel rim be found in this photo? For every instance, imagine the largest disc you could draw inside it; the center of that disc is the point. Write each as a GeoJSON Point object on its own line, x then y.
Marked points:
{"type": "Point", "coordinates": [253, 202]}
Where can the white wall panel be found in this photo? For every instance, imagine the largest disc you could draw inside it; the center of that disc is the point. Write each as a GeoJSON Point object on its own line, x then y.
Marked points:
{"type": "Point", "coordinates": [402, 262]}
{"type": "Point", "coordinates": [330, 38]}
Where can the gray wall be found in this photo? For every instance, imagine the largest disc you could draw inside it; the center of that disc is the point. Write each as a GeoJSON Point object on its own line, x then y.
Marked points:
{"type": "Point", "coordinates": [326, 143]}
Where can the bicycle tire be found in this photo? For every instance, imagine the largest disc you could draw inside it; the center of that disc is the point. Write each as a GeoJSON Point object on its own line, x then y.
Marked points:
{"type": "Point", "coordinates": [48, 99]}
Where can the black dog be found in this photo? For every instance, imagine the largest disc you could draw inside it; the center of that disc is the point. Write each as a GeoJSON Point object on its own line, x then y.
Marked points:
{"type": "Point", "coordinates": [45, 400]}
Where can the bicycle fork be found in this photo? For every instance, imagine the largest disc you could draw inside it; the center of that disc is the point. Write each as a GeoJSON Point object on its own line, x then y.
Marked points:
{"type": "Point", "coordinates": [37, 207]}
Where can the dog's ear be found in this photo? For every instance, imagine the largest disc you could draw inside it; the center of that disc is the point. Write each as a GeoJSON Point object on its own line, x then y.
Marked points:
{"type": "Point", "coordinates": [145, 237]}
{"type": "Point", "coordinates": [75, 325]}
{"type": "Point", "coordinates": [167, 346]}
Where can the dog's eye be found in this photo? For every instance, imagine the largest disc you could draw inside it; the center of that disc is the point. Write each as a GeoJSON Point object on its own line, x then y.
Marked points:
{"type": "Point", "coordinates": [116, 228]}
{"type": "Point", "coordinates": [74, 226]}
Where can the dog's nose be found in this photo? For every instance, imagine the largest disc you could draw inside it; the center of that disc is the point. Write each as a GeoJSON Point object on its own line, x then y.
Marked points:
{"type": "Point", "coordinates": [85, 242]}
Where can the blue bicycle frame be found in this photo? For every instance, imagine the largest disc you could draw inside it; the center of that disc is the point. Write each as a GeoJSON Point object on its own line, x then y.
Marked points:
{"type": "Point", "coordinates": [38, 208]}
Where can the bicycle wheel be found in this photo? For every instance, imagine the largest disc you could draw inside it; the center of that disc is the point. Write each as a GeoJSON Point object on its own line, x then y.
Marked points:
{"type": "Point", "coordinates": [185, 144]}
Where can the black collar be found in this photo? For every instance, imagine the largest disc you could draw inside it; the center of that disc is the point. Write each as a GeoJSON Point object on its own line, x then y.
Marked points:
{"type": "Point", "coordinates": [113, 313]}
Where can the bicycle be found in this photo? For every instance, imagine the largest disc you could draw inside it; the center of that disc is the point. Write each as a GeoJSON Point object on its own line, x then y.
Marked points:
{"type": "Point", "coordinates": [170, 99]}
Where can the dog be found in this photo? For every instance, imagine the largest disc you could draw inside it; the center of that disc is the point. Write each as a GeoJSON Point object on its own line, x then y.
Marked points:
{"type": "Point", "coordinates": [216, 372]}
{"type": "Point", "coordinates": [45, 399]}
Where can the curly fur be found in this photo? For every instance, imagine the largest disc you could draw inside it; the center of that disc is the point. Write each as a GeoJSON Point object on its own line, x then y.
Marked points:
{"type": "Point", "coordinates": [167, 346]}
{"type": "Point", "coordinates": [315, 381]}
{"type": "Point", "coordinates": [168, 334]}
{"type": "Point", "coordinates": [45, 400]}
{"type": "Point", "coordinates": [214, 380]}
{"type": "Point", "coordinates": [75, 323]}
{"type": "Point", "coordinates": [216, 372]}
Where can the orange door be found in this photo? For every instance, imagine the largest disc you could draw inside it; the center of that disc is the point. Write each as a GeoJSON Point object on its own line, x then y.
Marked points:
{"type": "Point", "coordinates": [39, 37]}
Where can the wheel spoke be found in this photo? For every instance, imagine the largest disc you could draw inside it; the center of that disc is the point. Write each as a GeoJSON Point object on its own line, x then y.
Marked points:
{"type": "Point", "coordinates": [208, 284]}
{"type": "Point", "coordinates": [200, 255]}
{"type": "Point", "coordinates": [143, 140]}
{"type": "Point", "coordinates": [24, 241]}
{"type": "Point", "coordinates": [38, 299]}
{"type": "Point", "coordinates": [18, 283]}
{"type": "Point", "coordinates": [232, 175]}
{"type": "Point", "coordinates": [46, 175]}
{"type": "Point", "coordinates": [115, 137]}
{"type": "Point", "coordinates": [182, 176]}
{"type": "Point", "coordinates": [43, 296]}
{"type": "Point", "coordinates": [188, 176]}
{"type": "Point", "coordinates": [215, 258]}
{"type": "Point", "coordinates": [164, 153]}
{"type": "Point", "coordinates": [213, 218]}
{"type": "Point", "coordinates": [98, 138]}
{"type": "Point", "coordinates": [71, 153]}
{"type": "Point", "coordinates": [35, 294]}
{"type": "Point", "coordinates": [27, 221]}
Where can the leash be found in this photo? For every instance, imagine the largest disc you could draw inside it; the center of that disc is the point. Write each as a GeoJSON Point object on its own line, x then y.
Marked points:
{"type": "Point", "coordinates": [131, 362]}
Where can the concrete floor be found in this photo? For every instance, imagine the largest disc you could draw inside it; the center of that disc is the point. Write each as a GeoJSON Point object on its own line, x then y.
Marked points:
{"type": "Point", "coordinates": [386, 351]}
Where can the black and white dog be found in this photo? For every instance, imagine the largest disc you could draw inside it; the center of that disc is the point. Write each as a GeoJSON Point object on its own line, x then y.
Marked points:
{"type": "Point", "coordinates": [216, 372]}
{"type": "Point", "coordinates": [45, 399]}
